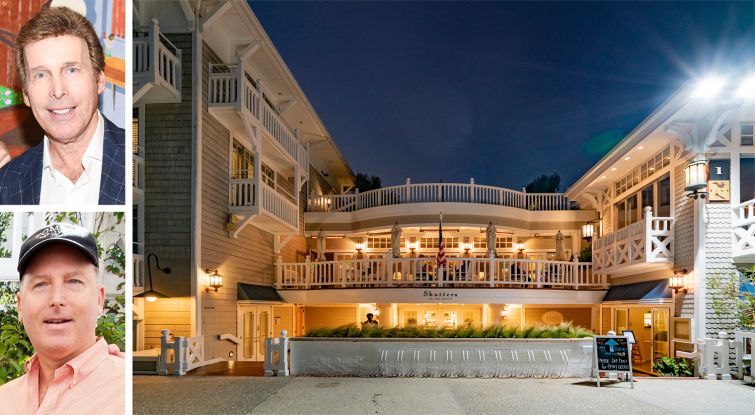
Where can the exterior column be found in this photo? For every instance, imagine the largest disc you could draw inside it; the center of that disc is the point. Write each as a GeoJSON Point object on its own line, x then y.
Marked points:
{"type": "Point", "coordinates": [386, 315]}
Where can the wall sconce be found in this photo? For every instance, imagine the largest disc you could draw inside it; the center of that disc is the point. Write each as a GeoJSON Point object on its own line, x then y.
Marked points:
{"type": "Point", "coordinates": [519, 247]}
{"type": "Point", "coordinates": [504, 312]}
{"type": "Point", "coordinates": [467, 246]}
{"type": "Point", "coordinates": [678, 282]}
{"type": "Point", "coordinates": [412, 246]}
{"type": "Point", "coordinates": [216, 280]}
{"type": "Point", "coordinates": [696, 178]}
{"type": "Point", "coordinates": [647, 319]}
{"type": "Point", "coordinates": [587, 231]}
{"type": "Point", "coordinates": [359, 246]}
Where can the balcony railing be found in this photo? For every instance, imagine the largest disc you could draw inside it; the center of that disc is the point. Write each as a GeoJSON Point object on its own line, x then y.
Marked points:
{"type": "Point", "coordinates": [439, 193]}
{"type": "Point", "coordinates": [231, 86]}
{"type": "Point", "coordinates": [252, 194]}
{"type": "Point", "coordinates": [158, 61]}
{"type": "Point", "coordinates": [644, 242]}
{"type": "Point", "coordinates": [744, 230]}
{"type": "Point", "coordinates": [422, 272]}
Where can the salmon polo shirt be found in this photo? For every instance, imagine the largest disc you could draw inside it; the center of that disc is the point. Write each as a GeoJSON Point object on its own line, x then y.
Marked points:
{"type": "Point", "coordinates": [90, 383]}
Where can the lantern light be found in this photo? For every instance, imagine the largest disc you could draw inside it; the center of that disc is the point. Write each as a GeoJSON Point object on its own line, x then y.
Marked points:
{"type": "Point", "coordinates": [695, 178]}
{"type": "Point", "coordinates": [215, 280]}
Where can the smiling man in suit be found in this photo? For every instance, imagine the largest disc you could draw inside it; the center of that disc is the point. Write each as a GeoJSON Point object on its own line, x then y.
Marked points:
{"type": "Point", "coordinates": [81, 159]}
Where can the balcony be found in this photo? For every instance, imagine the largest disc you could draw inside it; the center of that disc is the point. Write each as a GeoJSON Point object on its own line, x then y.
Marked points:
{"type": "Point", "coordinates": [255, 202]}
{"type": "Point", "coordinates": [643, 246]}
{"type": "Point", "coordinates": [743, 228]}
{"type": "Point", "coordinates": [236, 100]}
{"type": "Point", "coordinates": [391, 272]}
{"type": "Point", "coordinates": [440, 193]}
{"type": "Point", "coordinates": [157, 68]}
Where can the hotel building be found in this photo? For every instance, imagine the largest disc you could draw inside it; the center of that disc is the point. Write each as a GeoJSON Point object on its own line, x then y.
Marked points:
{"type": "Point", "coordinates": [240, 190]}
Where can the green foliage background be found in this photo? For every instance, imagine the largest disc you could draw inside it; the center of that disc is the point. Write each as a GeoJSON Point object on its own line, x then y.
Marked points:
{"type": "Point", "coordinates": [15, 347]}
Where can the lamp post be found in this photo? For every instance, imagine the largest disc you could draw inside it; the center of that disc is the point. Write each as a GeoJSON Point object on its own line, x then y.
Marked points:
{"type": "Point", "coordinates": [152, 295]}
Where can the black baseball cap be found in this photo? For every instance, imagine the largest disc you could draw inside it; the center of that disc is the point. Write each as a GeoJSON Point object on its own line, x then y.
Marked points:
{"type": "Point", "coordinates": [73, 235]}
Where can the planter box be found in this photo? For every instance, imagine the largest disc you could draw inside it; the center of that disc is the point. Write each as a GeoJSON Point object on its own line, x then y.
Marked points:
{"type": "Point", "coordinates": [552, 358]}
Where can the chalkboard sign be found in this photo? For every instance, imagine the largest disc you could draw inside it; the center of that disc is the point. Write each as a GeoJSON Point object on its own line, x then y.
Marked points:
{"type": "Point", "coordinates": [612, 354]}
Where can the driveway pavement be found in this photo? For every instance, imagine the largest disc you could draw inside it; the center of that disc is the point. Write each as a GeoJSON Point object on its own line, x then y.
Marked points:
{"type": "Point", "coordinates": [415, 396]}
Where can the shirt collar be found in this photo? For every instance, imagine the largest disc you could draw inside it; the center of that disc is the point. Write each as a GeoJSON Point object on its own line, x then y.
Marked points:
{"type": "Point", "coordinates": [81, 365]}
{"type": "Point", "coordinates": [92, 153]}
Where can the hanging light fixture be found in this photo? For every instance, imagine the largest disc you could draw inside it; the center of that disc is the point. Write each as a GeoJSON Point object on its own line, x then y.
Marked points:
{"type": "Point", "coordinates": [152, 295]}
{"type": "Point", "coordinates": [696, 178]}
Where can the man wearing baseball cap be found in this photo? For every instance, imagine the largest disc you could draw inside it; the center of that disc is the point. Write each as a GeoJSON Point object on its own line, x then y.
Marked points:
{"type": "Point", "coordinates": [59, 301]}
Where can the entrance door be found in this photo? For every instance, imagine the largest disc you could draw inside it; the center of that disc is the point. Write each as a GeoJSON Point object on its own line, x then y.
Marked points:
{"type": "Point", "coordinates": [621, 320]}
{"type": "Point", "coordinates": [254, 325]}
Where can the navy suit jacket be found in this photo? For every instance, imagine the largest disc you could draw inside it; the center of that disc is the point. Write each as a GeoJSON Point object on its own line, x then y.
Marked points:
{"type": "Point", "coordinates": [21, 179]}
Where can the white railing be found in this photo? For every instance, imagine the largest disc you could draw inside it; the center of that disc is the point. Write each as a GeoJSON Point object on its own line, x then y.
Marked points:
{"type": "Point", "coordinates": [423, 272]}
{"type": "Point", "coordinates": [250, 193]}
{"type": "Point", "coordinates": [439, 193]}
{"type": "Point", "coordinates": [179, 354]}
{"type": "Point", "coordinates": [157, 60]}
{"type": "Point", "coordinates": [647, 241]}
{"type": "Point", "coordinates": [138, 269]}
{"type": "Point", "coordinates": [138, 171]}
{"type": "Point", "coordinates": [744, 229]}
{"type": "Point", "coordinates": [230, 85]}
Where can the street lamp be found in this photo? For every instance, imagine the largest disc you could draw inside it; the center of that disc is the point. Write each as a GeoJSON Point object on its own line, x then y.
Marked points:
{"type": "Point", "coordinates": [152, 295]}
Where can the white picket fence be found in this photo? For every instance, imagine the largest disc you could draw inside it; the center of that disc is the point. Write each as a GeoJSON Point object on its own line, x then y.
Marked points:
{"type": "Point", "coordinates": [439, 193]}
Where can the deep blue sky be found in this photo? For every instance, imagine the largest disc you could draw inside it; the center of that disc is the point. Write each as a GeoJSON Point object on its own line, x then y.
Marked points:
{"type": "Point", "coordinates": [502, 92]}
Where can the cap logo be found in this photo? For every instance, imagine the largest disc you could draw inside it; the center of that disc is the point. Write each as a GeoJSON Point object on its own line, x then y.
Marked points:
{"type": "Point", "coordinates": [48, 232]}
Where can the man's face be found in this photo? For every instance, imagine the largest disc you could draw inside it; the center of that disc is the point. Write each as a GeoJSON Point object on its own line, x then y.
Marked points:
{"type": "Point", "coordinates": [59, 302]}
{"type": "Point", "coordinates": [62, 87]}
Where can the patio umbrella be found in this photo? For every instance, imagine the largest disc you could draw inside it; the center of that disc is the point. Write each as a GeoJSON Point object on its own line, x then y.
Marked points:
{"type": "Point", "coordinates": [396, 240]}
{"type": "Point", "coordinates": [490, 236]}
{"type": "Point", "coordinates": [320, 246]}
{"type": "Point", "coordinates": [559, 246]}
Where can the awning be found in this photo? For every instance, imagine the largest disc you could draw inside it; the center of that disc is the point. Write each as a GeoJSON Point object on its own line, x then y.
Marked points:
{"type": "Point", "coordinates": [251, 292]}
{"type": "Point", "coordinates": [640, 291]}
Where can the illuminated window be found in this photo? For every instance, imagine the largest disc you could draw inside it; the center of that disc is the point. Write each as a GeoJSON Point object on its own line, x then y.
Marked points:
{"type": "Point", "coordinates": [268, 175]}
{"type": "Point", "coordinates": [242, 162]}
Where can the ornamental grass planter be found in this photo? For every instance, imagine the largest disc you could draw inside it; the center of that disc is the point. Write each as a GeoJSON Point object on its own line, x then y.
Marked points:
{"type": "Point", "coordinates": [441, 357]}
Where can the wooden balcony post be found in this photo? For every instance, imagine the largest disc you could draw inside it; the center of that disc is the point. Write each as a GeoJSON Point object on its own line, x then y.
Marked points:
{"type": "Point", "coordinates": [279, 272]}
{"type": "Point", "coordinates": [539, 273]}
{"type": "Point", "coordinates": [307, 272]}
{"type": "Point", "coordinates": [407, 190]}
{"type": "Point", "coordinates": [471, 190]}
{"type": "Point", "coordinates": [575, 267]}
{"type": "Point", "coordinates": [648, 236]}
{"type": "Point", "coordinates": [491, 274]}
{"type": "Point", "coordinates": [389, 270]}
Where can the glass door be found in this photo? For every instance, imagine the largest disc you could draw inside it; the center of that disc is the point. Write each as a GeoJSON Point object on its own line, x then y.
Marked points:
{"type": "Point", "coordinates": [622, 320]}
{"type": "Point", "coordinates": [254, 325]}
{"type": "Point", "coordinates": [660, 332]}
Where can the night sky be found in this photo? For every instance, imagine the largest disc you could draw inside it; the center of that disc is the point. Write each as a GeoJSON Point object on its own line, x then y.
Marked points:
{"type": "Point", "coordinates": [502, 92]}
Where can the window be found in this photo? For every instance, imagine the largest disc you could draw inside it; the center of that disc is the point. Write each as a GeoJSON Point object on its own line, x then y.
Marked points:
{"type": "Point", "coordinates": [135, 131]}
{"type": "Point", "coordinates": [242, 162]}
{"type": "Point", "coordinates": [481, 243]}
{"type": "Point", "coordinates": [746, 179]}
{"type": "Point", "coordinates": [647, 169]}
{"type": "Point", "coordinates": [504, 242]}
{"type": "Point", "coordinates": [268, 175]}
{"type": "Point", "coordinates": [664, 198]}
{"type": "Point", "coordinates": [382, 242]}
{"type": "Point", "coordinates": [433, 242]}
{"type": "Point", "coordinates": [657, 195]}
{"type": "Point", "coordinates": [746, 135]}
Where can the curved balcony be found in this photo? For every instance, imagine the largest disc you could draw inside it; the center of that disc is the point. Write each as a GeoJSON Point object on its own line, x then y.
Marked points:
{"type": "Point", "coordinates": [440, 193]}
{"type": "Point", "coordinates": [646, 245]}
{"type": "Point", "coordinates": [391, 272]}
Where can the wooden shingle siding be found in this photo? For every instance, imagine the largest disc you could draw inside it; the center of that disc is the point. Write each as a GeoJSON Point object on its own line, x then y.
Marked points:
{"type": "Point", "coordinates": [684, 233]}
{"type": "Point", "coordinates": [168, 158]}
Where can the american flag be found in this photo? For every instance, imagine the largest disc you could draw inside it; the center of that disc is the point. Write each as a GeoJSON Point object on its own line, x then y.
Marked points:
{"type": "Point", "coordinates": [441, 259]}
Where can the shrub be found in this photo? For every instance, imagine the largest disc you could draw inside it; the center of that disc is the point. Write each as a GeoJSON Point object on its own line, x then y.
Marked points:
{"type": "Point", "coordinates": [672, 366]}
{"type": "Point", "coordinates": [562, 331]}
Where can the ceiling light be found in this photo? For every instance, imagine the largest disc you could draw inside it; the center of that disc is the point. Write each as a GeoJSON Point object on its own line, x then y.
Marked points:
{"type": "Point", "coordinates": [627, 158]}
{"type": "Point", "coordinates": [640, 147]}
{"type": "Point", "coordinates": [603, 177]}
{"type": "Point", "coordinates": [613, 168]}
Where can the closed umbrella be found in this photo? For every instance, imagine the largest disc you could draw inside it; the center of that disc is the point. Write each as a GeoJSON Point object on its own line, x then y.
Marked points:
{"type": "Point", "coordinates": [396, 240]}
{"type": "Point", "coordinates": [559, 246]}
{"type": "Point", "coordinates": [490, 236]}
{"type": "Point", "coordinates": [320, 246]}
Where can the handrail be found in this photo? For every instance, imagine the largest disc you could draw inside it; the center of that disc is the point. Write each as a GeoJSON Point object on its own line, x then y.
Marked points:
{"type": "Point", "coordinates": [742, 228]}
{"type": "Point", "coordinates": [157, 58]}
{"type": "Point", "coordinates": [256, 194]}
{"type": "Point", "coordinates": [440, 193]}
{"type": "Point", "coordinates": [423, 272]}
{"type": "Point", "coordinates": [230, 85]}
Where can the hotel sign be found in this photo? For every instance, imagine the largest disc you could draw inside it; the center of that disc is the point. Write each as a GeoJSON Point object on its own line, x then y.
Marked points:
{"type": "Point", "coordinates": [439, 295]}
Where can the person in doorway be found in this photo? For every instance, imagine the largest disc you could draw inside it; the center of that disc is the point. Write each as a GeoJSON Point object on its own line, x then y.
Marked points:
{"type": "Point", "coordinates": [370, 322]}
{"type": "Point", "coordinates": [59, 301]}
